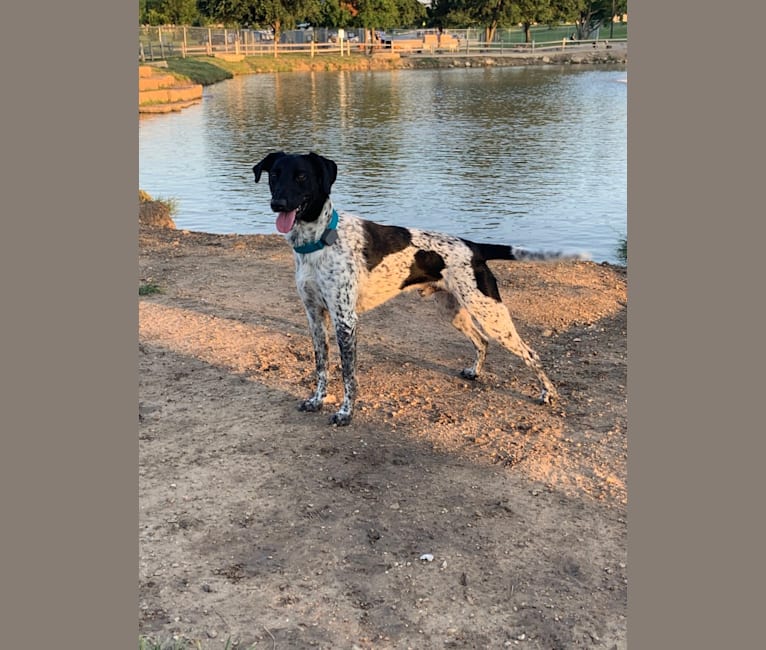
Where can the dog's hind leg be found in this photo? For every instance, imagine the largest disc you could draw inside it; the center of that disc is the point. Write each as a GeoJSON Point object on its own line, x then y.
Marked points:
{"type": "Point", "coordinates": [494, 319]}
{"type": "Point", "coordinates": [462, 321]}
{"type": "Point", "coordinates": [318, 319]}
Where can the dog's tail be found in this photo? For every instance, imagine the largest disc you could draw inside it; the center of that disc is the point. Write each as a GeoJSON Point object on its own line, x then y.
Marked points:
{"type": "Point", "coordinates": [505, 252]}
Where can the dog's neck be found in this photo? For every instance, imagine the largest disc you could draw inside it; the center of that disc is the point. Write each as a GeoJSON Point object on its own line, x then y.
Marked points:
{"type": "Point", "coordinates": [304, 232]}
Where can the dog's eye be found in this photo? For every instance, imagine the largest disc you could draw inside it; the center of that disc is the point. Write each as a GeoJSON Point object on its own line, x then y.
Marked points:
{"type": "Point", "coordinates": [301, 178]}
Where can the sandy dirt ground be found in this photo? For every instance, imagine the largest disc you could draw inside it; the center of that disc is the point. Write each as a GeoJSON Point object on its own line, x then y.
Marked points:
{"type": "Point", "coordinates": [449, 514]}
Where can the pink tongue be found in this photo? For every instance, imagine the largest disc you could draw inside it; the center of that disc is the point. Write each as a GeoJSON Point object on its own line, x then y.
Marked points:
{"type": "Point", "coordinates": [285, 221]}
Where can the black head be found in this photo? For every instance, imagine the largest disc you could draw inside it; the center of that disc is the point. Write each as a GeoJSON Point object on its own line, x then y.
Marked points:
{"type": "Point", "coordinates": [299, 184]}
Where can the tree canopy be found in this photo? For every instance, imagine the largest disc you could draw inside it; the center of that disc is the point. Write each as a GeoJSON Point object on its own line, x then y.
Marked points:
{"type": "Point", "coordinates": [587, 15]}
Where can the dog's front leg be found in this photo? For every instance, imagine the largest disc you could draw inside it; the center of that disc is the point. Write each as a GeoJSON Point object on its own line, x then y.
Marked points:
{"type": "Point", "coordinates": [317, 317]}
{"type": "Point", "coordinates": [345, 332]}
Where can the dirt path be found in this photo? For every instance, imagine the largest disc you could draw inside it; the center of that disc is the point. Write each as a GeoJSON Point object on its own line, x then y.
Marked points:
{"type": "Point", "coordinates": [262, 525]}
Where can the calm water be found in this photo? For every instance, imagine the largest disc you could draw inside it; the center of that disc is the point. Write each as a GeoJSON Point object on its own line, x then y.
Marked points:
{"type": "Point", "coordinates": [535, 157]}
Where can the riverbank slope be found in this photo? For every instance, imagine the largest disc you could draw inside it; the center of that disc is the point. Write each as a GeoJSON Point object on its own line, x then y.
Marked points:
{"type": "Point", "coordinates": [203, 69]}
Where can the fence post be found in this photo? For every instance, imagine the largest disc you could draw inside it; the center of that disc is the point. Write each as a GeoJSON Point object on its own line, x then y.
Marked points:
{"type": "Point", "coordinates": [183, 51]}
{"type": "Point", "coordinates": [162, 47]}
{"type": "Point", "coordinates": [563, 44]}
{"type": "Point", "coordinates": [225, 41]}
{"type": "Point", "coordinates": [141, 52]}
{"type": "Point", "coordinates": [209, 44]}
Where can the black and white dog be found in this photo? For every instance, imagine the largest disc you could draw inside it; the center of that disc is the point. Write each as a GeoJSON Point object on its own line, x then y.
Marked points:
{"type": "Point", "coordinates": [345, 265]}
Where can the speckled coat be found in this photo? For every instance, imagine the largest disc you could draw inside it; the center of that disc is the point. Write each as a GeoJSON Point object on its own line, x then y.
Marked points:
{"type": "Point", "coordinates": [369, 263]}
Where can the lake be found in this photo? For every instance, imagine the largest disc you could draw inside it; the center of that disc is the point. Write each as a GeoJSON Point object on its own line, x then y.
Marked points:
{"type": "Point", "coordinates": [529, 156]}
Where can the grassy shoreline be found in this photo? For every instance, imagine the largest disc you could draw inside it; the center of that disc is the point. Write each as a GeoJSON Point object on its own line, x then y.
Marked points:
{"type": "Point", "coordinates": [207, 70]}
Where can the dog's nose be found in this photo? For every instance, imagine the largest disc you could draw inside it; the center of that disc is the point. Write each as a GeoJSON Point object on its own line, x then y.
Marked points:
{"type": "Point", "coordinates": [279, 205]}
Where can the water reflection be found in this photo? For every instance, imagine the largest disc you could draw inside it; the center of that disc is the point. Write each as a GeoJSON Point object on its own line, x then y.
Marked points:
{"type": "Point", "coordinates": [530, 156]}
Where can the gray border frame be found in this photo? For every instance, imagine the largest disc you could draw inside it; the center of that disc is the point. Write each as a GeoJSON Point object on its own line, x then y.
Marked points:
{"type": "Point", "coordinates": [69, 263]}
{"type": "Point", "coordinates": [70, 322]}
{"type": "Point", "coordinates": [694, 510]}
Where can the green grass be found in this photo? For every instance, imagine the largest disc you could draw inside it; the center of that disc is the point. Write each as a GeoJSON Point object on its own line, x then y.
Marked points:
{"type": "Point", "coordinates": [170, 203]}
{"type": "Point", "coordinates": [622, 249]}
{"type": "Point", "coordinates": [545, 34]}
{"type": "Point", "coordinates": [200, 70]}
{"type": "Point", "coordinates": [149, 288]}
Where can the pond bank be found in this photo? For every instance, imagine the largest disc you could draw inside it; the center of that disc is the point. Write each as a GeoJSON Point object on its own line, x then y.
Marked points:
{"type": "Point", "coordinates": [207, 70]}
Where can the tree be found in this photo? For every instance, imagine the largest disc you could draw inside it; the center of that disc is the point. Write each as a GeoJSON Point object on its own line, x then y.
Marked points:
{"type": "Point", "coordinates": [589, 15]}
{"type": "Point", "coordinates": [490, 14]}
{"type": "Point", "coordinates": [167, 12]}
{"type": "Point", "coordinates": [228, 12]}
{"type": "Point", "coordinates": [452, 13]}
{"type": "Point", "coordinates": [411, 13]}
{"type": "Point", "coordinates": [336, 13]}
{"type": "Point", "coordinates": [530, 12]}
{"type": "Point", "coordinates": [277, 14]}
{"type": "Point", "coordinates": [383, 14]}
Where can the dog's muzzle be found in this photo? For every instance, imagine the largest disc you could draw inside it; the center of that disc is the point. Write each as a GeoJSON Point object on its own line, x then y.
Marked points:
{"type": "Point", "coordinates": [279, 205]}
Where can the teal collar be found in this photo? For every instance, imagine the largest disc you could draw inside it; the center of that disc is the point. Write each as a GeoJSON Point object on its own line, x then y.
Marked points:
{"type": "Point", "coordinates": [327, 239]}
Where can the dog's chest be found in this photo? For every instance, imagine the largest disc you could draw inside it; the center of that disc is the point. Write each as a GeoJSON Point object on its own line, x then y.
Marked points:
{"type": "Point", "coordinates": [326, 276]}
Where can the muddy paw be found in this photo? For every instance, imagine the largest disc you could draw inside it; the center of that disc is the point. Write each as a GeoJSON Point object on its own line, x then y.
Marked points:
{"type": "Point", "coordinates": [340, 419]}
{"type": "Point", "coordinates": [469, 373]}
{"type": "Point", "coordinates": [311, 405]}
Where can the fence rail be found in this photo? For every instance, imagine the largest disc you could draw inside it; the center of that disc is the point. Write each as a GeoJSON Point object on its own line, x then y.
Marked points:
{"type": "Point", "coordinates": [157, 43]}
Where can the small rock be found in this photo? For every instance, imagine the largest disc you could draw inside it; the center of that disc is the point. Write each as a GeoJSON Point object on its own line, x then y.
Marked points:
{"type": "Point", "coordinates": [427, 557]}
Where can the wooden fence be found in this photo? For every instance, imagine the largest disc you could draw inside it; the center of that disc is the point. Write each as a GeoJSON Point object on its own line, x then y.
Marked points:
{"type": "Point", "coordinates": [158, 43]}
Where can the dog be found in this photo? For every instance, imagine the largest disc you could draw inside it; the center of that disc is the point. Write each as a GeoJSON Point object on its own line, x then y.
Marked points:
{"type": "Point", "coordinates": [345, 265]}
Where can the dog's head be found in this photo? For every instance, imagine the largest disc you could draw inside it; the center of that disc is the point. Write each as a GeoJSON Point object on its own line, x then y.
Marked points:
{"type": "Point", "coordinates": [299, 184]}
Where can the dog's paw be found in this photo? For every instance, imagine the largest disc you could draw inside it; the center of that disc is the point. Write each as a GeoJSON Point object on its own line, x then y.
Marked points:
{"type": "Point", "coordinates": [340, 419]}
{"type": "Point", "coordinates": [469, 373]}
{"type": "Point", "coordinates": [310, 405]}
{"type": "Point", "coordinates": [549, 397]}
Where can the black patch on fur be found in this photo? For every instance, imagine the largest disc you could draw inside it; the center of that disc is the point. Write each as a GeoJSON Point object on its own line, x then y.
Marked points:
{"type": "Point", "coordinates": [427, 267]}
{"type": "Point", "coordinates": [485, 280]}
{"type": "Point", "coordinates": [490, 251]}
{"type": "Point", "coordinates": [380, 241]}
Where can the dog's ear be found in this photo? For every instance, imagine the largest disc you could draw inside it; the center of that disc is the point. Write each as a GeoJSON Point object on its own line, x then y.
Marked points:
{"type": "Point", "coordinates": [328, 168]}
{"type": "Point", "coordinates": [267, 163]}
